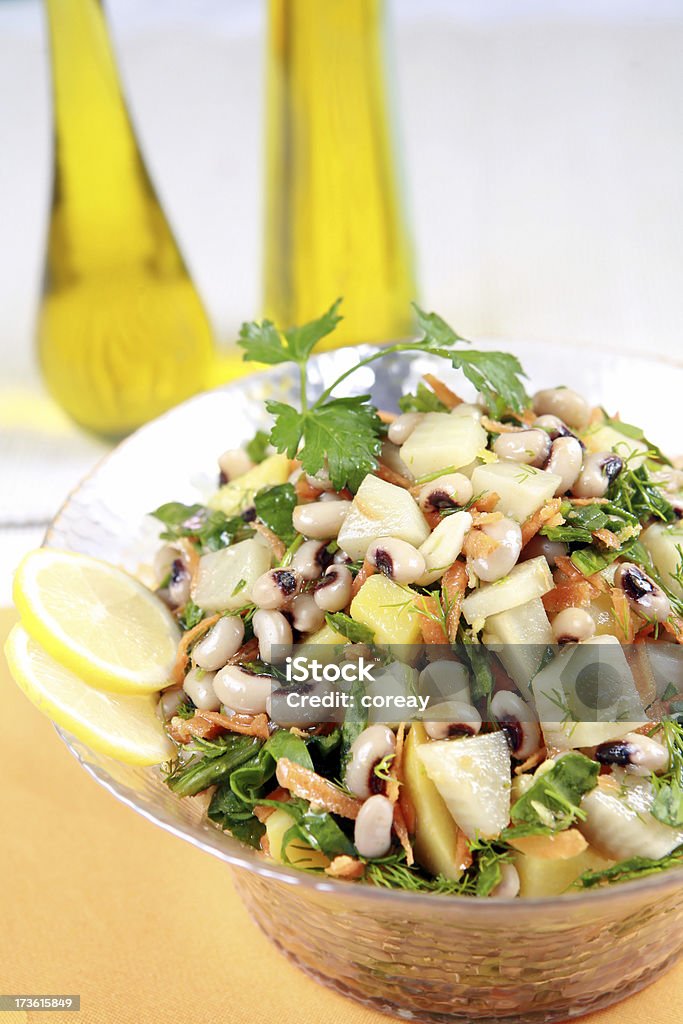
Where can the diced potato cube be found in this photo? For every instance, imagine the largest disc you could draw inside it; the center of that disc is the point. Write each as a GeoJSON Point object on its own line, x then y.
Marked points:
{"type": "Point", "coordinates": [437, 837]}
{"type": "Point", "coordinates": [587, 696]}
{"type": "Point", "coordinates": [608, 439]}
{"type": "Point", "coordinates": [326, 635]}
{"type": "Point", "coordinates": [238, 494]}
{"type": "Point", "coordinates": [524, 582]}
{"type": "Point", "coordinates": [540, 877]}
{"type": "Point", "coordinates": [663, 542]}
{"type": "Point", "coordinates": [522, 489]}
{"type": "Point", "coordinates": [225, 578]}
{"type": "Point", "coordinates": [381, 509]}
{"type": "Point", "coordinates": [618, 822]}
{"type": "Point", "coordinates": [298, 852]}
{"type": "Point", "coordinates": [388, 610]}
{"type": "Point", "coordinates": [520, 636]}
{"type": "Point", "coordinates": [440, 441]}
{"type": "Point", "coordinates": [473, 777]}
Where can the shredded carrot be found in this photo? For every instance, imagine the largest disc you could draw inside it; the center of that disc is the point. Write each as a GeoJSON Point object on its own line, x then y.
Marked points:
{"type": "Point", "coordinates": [442, 391]}
{"type": "Point", "coordinates": [463, 854]}
{"type": "Point", "coordinates": [533, 523]}
{"type": "Point", "coordinates": [431, 625]}
{"type": "Point", "coordinates": [310, 786]}
{"type": "Point", "coordinates": [345, 867]}
{"type": "Point", "coordinates": [186, 641]}
{"type": "Point", "coordinates": [597, 416]}
{"type": "Point", "coordinates": [208, 724]}
{"type": "Point", "coordinates": [392, 477]}
{"type": "Point", "coordinates": [395, 771]}
{"type": "Point", "coordinates": [366, 570]}
{"type": "Point", "coordinates": [623, 619]}
{"type": "Point", "coordinates": [557, 846]}
{"type": "Point", "coordinates": [607, 539]}
{"type": "Point", "coordinates": [496, 427]}
{"type": "Point", "coordinates": [264, 843]}
{"type": "Point", "coordinates": [453, 587]}
{"type": "Point", "coordinates": [401, 830]}
{"type": "Point", "coordinates": [479, 545]}
{"type": "Point", "coordinates": [277, 546]}
{"type": "Point", "coordinates": [536, 758]}
{"type": "Point", "coordinates": [305, 491]}
{"type": "Point", "coordinates": [386, 417]}
{"type": "Point", "coordinates": [263, 813]}
{"type": "Point", "coordinates": [486, 503]}
{"type": "Point", "coordinates": [587, 501]}
{"type": "Point", "coordinates": [575, 594]}
{"type": "Point", "coordinates": [485, 518]}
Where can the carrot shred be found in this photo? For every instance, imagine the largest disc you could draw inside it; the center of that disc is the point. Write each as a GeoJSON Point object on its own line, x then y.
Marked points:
{"type": "Point", "coordinates": [431, 625]}
{"type": "Point", "coordinates": [308, 785]}
{"type": "Point", "coordinates": [187, 639]}
{"type": "Point", "coordinates": [486, 503]}
{"type": "Point", "coordinates": [395, 771]}
{"type": "Point", "coordinates": [401, 830]}
{"type": "Point", "coordinates": [536, 758]}
{"type": "Point", "coordinates": [496, 427]}
{"type": "Point", "coordinates": [207, 725]}
{"type": "Point", "coordinates": [366, 570]}
{"type": "Point", "coordinates": [575, 594]}
{"type": "Point", "coordinates": [479, 545]}
{"type": "Point", "coordinates": [533, 523]}
{"type": "Point", "coordinates": [453, 587]}
{"type": "Point", "coordinates": [305, 490]}
{"type": "Point", "coordinates": [344, 866]}
{"type": "Point", "coordinates": [392, 477]}
{"type": "Point", "coordinates": [607, 538]}
{"type": "Point", "coordinates": [277, 546]}
{"type": "Point", "coordinates": [386, 417]}
{"type": "Point", "coordinates": [485, 518]}
{"type": "Point", "coordinates": [442, 391]}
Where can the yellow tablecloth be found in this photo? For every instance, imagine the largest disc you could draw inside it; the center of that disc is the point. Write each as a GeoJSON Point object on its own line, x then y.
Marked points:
{"type": "Point", "coordinates": [98, 902]}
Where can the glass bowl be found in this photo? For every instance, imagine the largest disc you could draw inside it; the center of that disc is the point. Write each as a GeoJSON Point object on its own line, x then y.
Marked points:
{"type": "Point", "coordinates": [421, 957]}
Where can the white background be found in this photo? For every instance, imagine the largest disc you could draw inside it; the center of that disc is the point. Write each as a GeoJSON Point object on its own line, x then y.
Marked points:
{"type": "Point", "coordinates": [542, 150]}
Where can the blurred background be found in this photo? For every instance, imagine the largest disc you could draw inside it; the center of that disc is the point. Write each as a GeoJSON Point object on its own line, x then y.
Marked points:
{"type": "Point", "coordinates": [541, 153]}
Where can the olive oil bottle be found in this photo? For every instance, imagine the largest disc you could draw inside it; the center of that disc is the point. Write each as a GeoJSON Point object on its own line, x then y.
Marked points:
{"type": "Point", "coordinates": [122, 332]}
{"type": "Point", "coordinates": [334, 220]}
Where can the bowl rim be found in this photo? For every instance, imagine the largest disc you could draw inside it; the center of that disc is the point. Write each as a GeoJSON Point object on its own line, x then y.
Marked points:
{"type": "Point", "coordinates": [254, 861]}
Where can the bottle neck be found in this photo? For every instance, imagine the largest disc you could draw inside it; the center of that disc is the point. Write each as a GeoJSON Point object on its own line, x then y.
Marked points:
{"type": "Point", "coordinates": [94, 140]}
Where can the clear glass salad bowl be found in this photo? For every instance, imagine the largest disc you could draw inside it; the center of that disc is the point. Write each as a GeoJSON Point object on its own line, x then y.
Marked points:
{"type": "Point", "coordinates": [421, 957]}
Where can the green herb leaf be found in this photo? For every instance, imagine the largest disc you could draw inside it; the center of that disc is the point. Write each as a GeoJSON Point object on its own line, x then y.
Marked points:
{"type": "Point", "coordinates": [274, 507]}
{"type": "Point", "coordinates": [668, 802]}
{"type": "Point", "coordinates": [355, 720]}
{"type": "Point", "coordinates": [318, 830]}
{"type": "Point", "coordinates": [211, 529]}
{"type": "Point", "coordinates": [634, 491]}
{"type": "Point", "coordinates": [495, 375]}
{"type": "Point", "coordinates": [284, 743]}
{"type": "Point", "coordinates": [192, 615]}
{"type": "Point", "coordinates": [553, 799]}
{"type": "Point", "coordinates": [354, 631]}
{"type": "Point", "coordinates": [424, 400]}
{"type": "Point", "coordinates": [264, 343]}
{"type": "Point", "coordinates": [480, 663]}
{"type": "Point", "coordinates": [215, 766]}
{"type": "Point", "coordinates": [582, 520]}
{"type": "Point", "coordinates": [626, 870]}
{"type": "Point", "coordinates": [257, 448]}
{"type": "Point", "coordinates": [343, 435]}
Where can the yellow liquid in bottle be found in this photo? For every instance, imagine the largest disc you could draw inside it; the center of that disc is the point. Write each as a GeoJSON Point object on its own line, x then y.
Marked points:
{"type": "Point", "coordinates": [334, 223]}
{"type": "Point", "coordinates": [122, 332]}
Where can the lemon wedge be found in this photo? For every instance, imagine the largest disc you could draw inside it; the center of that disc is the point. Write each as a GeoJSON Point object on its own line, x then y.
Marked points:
{"type": "Point", "coordinates": [119, 725]}
{"type": "Point", "coordinates": [96, 620]}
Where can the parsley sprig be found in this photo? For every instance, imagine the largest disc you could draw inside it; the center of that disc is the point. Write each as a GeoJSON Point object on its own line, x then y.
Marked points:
{"type": "Point", "coordinates": [344, 435]}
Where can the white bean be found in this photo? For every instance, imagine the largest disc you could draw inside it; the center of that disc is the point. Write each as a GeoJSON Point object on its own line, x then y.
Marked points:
{"type": "Point", "coordinates": [333, 592]}
{"type": "Point", "coordinates": [400, 430]}
{"type": "Point", "coordinates": [275, 588]}
{"type": "Point", "coordinates": [311, 559]}
{"type": "Point", "coordinates": [397, 559]}
{"type": "Point", "coordinates": [307, 615]}
{"type": "Point", "coordinates": [572, 625]}
{"type": "Point", "coordinates": [242, 691]}
{"type": "Point", "coordinates": [367, 750]}
{"type": "Point", "coordinates": [198, 685]}
{"type": "Point", "coordinates": [372, 831]}
{"type": "Point", "coordinates": [234, 462]}
{"type": "Point", "coordinates": [500, 561]}
{"type": "Point", "coordinates": [564, 403]}
{"type": "Point", "coordinates": [271, 629]}
{"type": "Point", "coordinates": [446, 491]}
{"type": "Point", "coordinates": [220, 643]}
{"type": "Point", "coordinates": [320, 520]}
{"type": "Point", "coordinates": [566, 456]}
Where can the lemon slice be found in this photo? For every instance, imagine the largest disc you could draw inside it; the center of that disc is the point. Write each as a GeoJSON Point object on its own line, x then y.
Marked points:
{"type": "Point", "coordinates": [122, 726]}
{"type": "Point", "coordinates": [96, 620]}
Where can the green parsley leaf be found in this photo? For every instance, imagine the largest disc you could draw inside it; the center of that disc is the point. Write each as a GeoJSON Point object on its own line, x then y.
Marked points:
{"type": "Point", "coordinates": [424, 400]}
{"type": "Point", "coordinates": [211, 529]}
{"type": "Point", "coordinates": [284, 743]}
{"type": "Point", "coordinates": [553, 799]}
{"type": "Point", "coordinates": [257, 448]}
{"type": "Point", "coordinates": [626, 870]}
{"type": "Point", "coordinates": [354, 631]}
{"type": "Point", "coordinates": [274, 507]}
{"type": "Point", "coordinates": [192, 615]}
{"type": "Point", "coordinates": [634, 491]}
{"type": "Point", "coordinates": [264, 343]}
{"type": "Point", "coordinates": [343, 435]}
{"type": "Point", "coordinates": [495, 375]}
{"type": "Point", "coordinates": [668, 802]}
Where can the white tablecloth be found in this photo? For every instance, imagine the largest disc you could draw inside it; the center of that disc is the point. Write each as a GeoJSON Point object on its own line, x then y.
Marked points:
{"type": "Point", "coordinates": [543, 154]}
